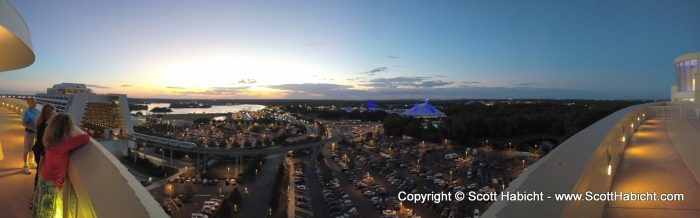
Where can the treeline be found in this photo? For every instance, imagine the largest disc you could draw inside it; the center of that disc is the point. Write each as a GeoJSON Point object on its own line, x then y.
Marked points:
{"type": "Point", "coordinates": [374, 116]}
{"type": "Point", "coordinates": [470, 123]}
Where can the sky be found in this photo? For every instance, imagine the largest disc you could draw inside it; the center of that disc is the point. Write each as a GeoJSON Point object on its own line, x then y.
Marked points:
{"type": "Point", "coordinates": [364, 49]}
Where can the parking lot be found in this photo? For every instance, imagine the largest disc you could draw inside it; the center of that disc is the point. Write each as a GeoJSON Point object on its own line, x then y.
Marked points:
{"type": "Point", "coordinates": [378, 167]}
{"type": "Point", "coordinates": [178, 197]}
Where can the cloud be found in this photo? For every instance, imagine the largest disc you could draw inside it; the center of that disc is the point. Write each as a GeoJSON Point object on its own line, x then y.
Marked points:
{"type": "Point", "coordinates": [247, 81]}
{"type": "Point", "coordinates": [97, 86]}
{"type": "Point", "coordinates": [405, 82]}
{"type": "Point", "coordinates": [216, 91]}
{"type": "Point", "coordinates": [323, 78]}
{"type": "Point", "coordinates": [431, 84]}
{"type": "Point", "coordinates": [126, 85]}
{"type": "Point", "coordinates": [358, 79]}
{"type": "Point", "coordinates": [423, 88]}
{"type": "Point", "coordinates": [174, 87]}
{"type": "Point", "coordinates": [375, 71]}
{"type": "Point", "coordinates": [310, 87]}
{"type": "Point", "coordinates": [393, 57]}
{"type": "Point", "coordinates": [526, 84]}
{"type": "Point", "coordinates": [467, 83]}
{"type": "Point", "coordinates": [315, 90]}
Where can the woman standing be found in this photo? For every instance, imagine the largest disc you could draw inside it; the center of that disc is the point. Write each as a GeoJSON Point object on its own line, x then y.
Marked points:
{"type": "Point", "coordinates": [60, 137]}
{"type": "Point", "coordinates": [47, 112]}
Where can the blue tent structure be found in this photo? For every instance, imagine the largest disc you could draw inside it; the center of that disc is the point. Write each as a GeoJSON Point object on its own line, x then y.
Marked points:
{"type": "Point", "coordinates": [424, 110]}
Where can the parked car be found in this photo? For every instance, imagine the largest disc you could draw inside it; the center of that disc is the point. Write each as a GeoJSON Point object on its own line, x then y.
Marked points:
{"type": "Point", "coordinates": [199, 215]}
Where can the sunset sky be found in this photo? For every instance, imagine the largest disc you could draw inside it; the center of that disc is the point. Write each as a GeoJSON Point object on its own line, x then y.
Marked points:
{"type": "Point", "coordinates": [358, 49]}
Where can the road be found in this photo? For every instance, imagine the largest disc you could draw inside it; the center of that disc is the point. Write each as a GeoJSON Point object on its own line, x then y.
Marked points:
{"type": "Point", "coordinates": [291, 192]}
{"type": "Point", "coordinates": [257, 203]}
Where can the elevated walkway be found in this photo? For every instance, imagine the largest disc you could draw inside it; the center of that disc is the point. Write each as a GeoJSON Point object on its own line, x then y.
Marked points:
{"type": "Point", "coordinates": [17, 186]}
{"type": "Point", "coordinates": [652, 163]}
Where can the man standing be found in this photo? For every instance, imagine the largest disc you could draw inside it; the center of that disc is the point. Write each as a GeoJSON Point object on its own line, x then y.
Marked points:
{"type": "Point", "coordinates": [29, 123]}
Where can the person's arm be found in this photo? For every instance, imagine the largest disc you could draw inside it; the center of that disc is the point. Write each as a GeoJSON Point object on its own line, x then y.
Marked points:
{"type": "Point", "coordinates": [77, 142]}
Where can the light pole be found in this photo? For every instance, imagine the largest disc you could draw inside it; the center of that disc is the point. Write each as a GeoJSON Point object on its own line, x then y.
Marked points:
{"type": "Point", "coordinates": [227, 173]}
{"type": "Point", "coordinates": [162, 165]}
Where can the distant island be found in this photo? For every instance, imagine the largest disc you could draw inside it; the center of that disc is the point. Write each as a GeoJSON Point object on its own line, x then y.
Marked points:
{"type": "Point", "coordinates": [161, 110]}
{"type": "Point", "coordinates": [189, 105]}
{"type": "Point", "coordinates": [137, 107]}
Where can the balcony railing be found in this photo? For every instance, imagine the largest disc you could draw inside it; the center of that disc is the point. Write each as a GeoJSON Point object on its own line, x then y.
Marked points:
{"type": "Point", "coordinates": [675, 111]}
{"type": "Point", "coordinates": [97, 184]}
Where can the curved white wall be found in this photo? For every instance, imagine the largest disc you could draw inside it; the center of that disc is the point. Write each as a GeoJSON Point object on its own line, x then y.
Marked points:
{"type": "Point", "coordinates": [15, 44]}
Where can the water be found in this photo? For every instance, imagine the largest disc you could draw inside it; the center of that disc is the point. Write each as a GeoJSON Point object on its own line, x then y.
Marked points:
{"type": "Point", "coordinates": [215, 109]}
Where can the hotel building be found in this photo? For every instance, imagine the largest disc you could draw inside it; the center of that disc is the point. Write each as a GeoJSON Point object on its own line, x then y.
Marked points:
{"type": "Point", "coordinates": [90, 110]}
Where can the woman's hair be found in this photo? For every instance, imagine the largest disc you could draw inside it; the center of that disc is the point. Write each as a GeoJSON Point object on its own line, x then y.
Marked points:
{"type": "Point", "coordinates": [46, 112]}
{"type": "Point", "coordinates": [58, 129]}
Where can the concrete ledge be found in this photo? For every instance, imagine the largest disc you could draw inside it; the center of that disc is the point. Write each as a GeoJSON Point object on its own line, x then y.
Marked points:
{"type": "Point", "coordinates": [104, 187]}
{"type": "Point", "coordinates": [579, 164]}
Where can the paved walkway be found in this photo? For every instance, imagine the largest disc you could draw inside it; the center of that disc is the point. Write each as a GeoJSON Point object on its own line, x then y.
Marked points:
{"type": "Point", "coordinates": [652, 163]}
{"type": "Point", "coordinates": [16, 186]}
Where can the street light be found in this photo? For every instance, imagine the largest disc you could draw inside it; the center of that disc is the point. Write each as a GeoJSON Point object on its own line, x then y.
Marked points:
{"type": "Point", "coordinates": [450, 177]}
{"type": "Point", "coordinates": [169, 189]}
{"type": "Point", "coordinates": [227, 171]}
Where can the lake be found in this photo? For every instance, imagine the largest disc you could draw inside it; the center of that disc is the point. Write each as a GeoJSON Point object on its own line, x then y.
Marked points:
{"type": "Point", "coordinates": [215, 109]}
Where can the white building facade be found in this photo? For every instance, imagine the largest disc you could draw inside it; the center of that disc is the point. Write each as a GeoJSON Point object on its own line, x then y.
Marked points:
{"type": "Point", "coordinates": [687, 73]}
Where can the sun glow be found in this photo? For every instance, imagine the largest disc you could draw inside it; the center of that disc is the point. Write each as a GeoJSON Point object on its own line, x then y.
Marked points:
{"type": "Point", "coordinates": [203, 72]}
